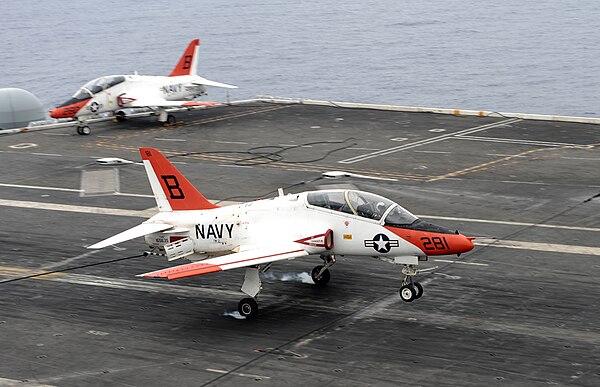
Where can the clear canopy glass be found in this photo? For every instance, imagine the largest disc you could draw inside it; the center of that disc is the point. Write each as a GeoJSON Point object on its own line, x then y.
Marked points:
{"type": "Point", "coordinates": [364, 204]}
{"type": "Point", "coordinates": [97, 85]}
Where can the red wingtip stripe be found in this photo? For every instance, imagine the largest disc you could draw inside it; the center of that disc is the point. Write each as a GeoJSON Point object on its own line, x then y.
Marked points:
{"type": "Point", "coordinates": [196, 103]}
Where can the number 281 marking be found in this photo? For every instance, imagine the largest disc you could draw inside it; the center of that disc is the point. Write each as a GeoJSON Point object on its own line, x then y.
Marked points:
{"type": "Point", "coordinates": [435, 243]}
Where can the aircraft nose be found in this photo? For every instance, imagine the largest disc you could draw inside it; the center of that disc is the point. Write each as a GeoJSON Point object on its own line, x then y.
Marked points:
{"type": "Point", "coordinates": [56, 113]}
{"type": "Point", "coordinates": [64, 111]}
{"type": "Point", "coordinates": [466, 244]}
{"type": "Point", "coordinates": [69, 109]}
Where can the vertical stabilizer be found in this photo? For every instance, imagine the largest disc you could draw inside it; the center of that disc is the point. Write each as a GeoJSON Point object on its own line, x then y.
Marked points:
{"type": "Point", "coordinates": [173, 192]}
{"type": "Point", "coordinates": [188, 62]}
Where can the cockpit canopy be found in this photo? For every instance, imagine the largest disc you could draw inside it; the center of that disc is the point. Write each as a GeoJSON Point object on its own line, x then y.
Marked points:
{"type": "Point", "coordinates": [364, 204]}
{"type": "Point", "coordinates": [97, 85]}
{"type": "Point", "coordinates": [93, 87]}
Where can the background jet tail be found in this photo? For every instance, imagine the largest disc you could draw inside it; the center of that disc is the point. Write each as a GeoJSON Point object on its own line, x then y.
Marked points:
{"type": "Point", "coordinates": [188, 62]}
{"type": "Point", "coordinates": [173, 192]}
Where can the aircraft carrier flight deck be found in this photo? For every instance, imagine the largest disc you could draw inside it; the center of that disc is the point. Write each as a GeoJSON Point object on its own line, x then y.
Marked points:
{"type": "Point", "coordinates": [521, 309]}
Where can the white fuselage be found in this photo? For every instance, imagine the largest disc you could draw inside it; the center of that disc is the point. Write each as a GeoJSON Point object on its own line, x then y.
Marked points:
{"type": "Point", "coordinates": [151, 88]}
{"type": "Point", "coordinates": [271, 222]}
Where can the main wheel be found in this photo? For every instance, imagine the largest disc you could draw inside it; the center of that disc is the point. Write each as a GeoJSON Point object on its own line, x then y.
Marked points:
{"type": "Point", "coordinates": [248, 308]}
{"type": "Point", "coordinates": [323, 279]}
{"type": "Point", "coordinates": [407, 293]}
{"type": "Point", "coordinates": [418, 290]}
{"type": "Point", "coordinates": [170, 120]}
{"type": "Point", "coordinates": [120, 116]}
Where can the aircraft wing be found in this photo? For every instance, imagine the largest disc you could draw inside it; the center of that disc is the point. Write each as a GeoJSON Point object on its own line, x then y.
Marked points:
{"type": "Point", "coordinates": [250, 257]}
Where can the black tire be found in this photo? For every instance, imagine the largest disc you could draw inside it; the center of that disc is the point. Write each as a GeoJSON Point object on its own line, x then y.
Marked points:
{"type": "Point", "coordinates": [325, 277]}
{"type": "Point", "coordinates": [170, 120]}
{"type": "Point", "coordinates": [120, 116]}
{"type": "Point", "coordinates": [84, 130]}
{"type": "Point", "coordinates": [418, 290]}
{"type": "Point", "coordinates": [407, 293]}
{"type": "Point", "coordinates": [248, 308]}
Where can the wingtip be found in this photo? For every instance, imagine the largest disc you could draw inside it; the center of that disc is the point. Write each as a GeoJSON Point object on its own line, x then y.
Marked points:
{"type": "Point", "coordinates": [149, 275]}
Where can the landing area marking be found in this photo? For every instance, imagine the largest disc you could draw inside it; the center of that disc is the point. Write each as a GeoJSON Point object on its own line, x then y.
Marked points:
{"type": "Point", "coordinates": [427, 141]}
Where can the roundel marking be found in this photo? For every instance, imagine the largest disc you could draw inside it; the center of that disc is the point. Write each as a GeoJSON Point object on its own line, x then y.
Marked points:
{"type": "Point", "coordinates": [381, 243]}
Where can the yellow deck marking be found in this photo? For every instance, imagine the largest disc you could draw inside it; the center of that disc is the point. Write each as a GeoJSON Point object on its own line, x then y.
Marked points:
{"type": "Point", "coordinates": [12, 271]}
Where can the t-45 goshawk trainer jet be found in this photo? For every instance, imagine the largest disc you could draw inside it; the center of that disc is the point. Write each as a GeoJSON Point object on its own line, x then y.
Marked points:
{"type": "Point", "coordinates": [254, 235]}
{"type": "Point", "coordinates": [114, 93]}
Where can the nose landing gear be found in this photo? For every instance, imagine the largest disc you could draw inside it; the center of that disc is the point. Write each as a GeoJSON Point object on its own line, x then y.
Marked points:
{"type": "Point", "coordinates": [83, 129]}
{"type": "Point", "coordinates": [410, 290]}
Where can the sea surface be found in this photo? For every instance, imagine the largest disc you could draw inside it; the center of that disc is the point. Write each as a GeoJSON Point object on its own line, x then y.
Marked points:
{"type": "Point", "coordinates": [533, 56]}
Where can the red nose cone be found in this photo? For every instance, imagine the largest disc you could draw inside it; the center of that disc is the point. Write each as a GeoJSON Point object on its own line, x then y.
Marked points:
{"type": "Point", "coordinates": [466, 245]}
{"type": "Point", "coordinates": [68, 111]}
{"type": "Point", "coordinates": [433, 243]}
{"type": "Point", "coordinates": [57, 113]}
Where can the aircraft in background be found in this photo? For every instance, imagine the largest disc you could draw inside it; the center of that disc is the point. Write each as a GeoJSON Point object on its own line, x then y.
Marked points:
{"type": "Point", "coordinates": [114, 93]}
{"type": "Point", "coordinates": [254, 235]}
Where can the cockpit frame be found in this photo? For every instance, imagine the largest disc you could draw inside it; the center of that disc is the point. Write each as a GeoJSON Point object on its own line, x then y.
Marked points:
{"type": "Point", "coordinates": [358, 203]}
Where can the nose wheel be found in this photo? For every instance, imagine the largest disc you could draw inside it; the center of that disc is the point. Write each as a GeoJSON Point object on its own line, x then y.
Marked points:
{"type": "Point", "coordinates": [410, 290]}
{"type": "Point", "coordinates": [83, 130]}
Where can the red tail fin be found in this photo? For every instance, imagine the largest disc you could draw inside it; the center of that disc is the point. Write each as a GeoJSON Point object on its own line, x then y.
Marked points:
{"type": "Point", "coordinates": [187, 63]}
{"type": "Point", "coordinates": [173, 192]}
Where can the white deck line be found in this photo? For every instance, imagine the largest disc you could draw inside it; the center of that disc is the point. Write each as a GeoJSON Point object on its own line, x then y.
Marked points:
{"type": "Point", "coordinates": [427, 141]}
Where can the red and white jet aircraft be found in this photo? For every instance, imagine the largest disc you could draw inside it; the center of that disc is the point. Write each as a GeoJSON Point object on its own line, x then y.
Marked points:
{"type": "Point", "coordinates": [254, 235]}
{"type": "Point", "coordinates": [114, 93]}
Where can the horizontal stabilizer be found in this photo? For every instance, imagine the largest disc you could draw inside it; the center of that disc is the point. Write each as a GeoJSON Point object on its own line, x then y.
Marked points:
{"type": "Point", "coordinates": [132, 233]}
{"type": "Point", "coordinates": [232, 261]}
{"type": "Point", "coordinates": [208, 82]}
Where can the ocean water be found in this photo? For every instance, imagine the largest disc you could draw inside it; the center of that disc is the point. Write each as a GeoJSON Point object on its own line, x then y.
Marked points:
{"type": "Point", "coordinates": [514, 55]}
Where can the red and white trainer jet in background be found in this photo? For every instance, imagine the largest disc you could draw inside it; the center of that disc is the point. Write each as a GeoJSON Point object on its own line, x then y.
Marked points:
{"type": "Point", "coordinates": [254, 235]}
{"type": "Point", "coordinates": [114, 93]}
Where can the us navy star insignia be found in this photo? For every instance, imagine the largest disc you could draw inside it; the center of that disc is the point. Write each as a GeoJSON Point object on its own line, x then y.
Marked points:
{"type": "Point", "coordinates": [381, 243]}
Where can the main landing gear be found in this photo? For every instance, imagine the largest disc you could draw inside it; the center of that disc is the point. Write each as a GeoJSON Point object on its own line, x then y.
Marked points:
{"type": "Point", "coordinates": [165, 118]}
{"type": "Point", "coordinates": [410, 290]}
{"type": "Point", "coordinates": [320, 274]}
{"type": "Point", "coordinates": [248, 307]}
